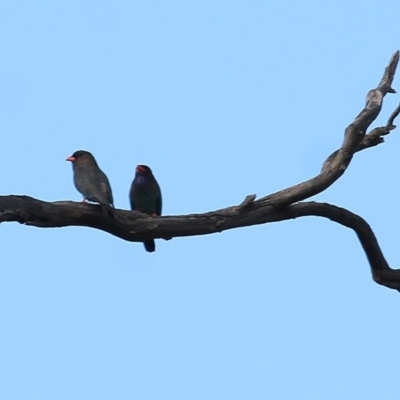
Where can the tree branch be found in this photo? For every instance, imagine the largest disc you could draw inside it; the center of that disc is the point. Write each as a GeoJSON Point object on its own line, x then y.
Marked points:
{"type": "Point", "coordinates": [285, 204]}
{"type": "Point", "coordinates": [381, 272]}
{"type": "Point", "coordinates": [335, 166]}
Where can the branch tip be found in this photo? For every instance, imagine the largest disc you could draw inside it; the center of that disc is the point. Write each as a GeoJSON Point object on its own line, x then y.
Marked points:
{"type": "Point", "coordinates": [385, 85]}
{"type": "Point", "coordinates": [247, 202]}
{"type": "Point", "coordinates": [393, 116]}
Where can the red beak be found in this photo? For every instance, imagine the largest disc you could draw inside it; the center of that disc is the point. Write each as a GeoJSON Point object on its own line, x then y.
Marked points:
{"type": "Point", "coordinates": [70, 158]}
{"type": "Point", "coordinates": [139, 168]}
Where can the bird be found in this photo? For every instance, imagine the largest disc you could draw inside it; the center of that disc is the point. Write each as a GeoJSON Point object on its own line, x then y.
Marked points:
{"type": "Point", "coordinates": [145, 196]}
{"type": "Point", "coordinates": [91, 181]}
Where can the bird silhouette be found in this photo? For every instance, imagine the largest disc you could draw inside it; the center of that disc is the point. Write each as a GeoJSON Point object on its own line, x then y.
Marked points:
{"type": "Point", "coordinates": [145, 196]}
{"type": "Point", "coordinates": [91, 181]}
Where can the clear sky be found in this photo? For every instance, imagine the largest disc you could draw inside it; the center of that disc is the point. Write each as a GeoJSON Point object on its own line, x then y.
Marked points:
{"type": "Point", "coordinates": [222, 99]}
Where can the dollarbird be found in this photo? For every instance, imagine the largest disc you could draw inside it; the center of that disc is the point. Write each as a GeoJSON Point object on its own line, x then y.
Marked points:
{"type": "Point", "coordinates": [91, 181]}
{"type": "Point", "coordinates": [145, 196]}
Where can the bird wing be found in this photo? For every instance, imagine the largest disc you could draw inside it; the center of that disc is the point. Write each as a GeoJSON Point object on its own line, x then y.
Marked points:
{"type": "Point", "coordinates": [94, 187]}
{"type": "Point", "coordinates": [106, 189]}
{"type": "Point", "coordinates": [159, 203]}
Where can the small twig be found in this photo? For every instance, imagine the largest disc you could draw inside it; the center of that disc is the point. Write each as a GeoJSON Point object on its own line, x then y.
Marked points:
{"type": "Point", "coordinates": [247, 202]}
{"type": "Point", "coordinates": [393, 116]}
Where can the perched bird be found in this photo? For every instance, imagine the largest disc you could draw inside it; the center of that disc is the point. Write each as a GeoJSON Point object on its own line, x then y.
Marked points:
{"type": "Point", "coordinates": [91, 181]}
{"type": "Point", "coordinates": [145, 196]}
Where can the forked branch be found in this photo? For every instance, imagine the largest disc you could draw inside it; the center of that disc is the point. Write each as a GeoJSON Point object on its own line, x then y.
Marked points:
{"type": "Point", "coordinates": [285, 204]}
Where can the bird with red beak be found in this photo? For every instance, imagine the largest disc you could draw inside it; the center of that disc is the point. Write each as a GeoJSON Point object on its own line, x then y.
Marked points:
{"type": "Point", "coordinates": [91, 181]}
{"type": "Point", "coordinates": [145, 196]}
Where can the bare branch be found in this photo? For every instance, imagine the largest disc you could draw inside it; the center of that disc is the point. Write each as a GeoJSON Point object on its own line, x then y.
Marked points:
{"type": "Point", "coordinates": [285, 204]}
{"type": "Point", "coordinates": [247, 202]}
{"type": "Point", "coordinates": [337, 163]}
{"type": "Point", "coordinates": [393, 116]}
{"type": "Point", "coordinates": [137, 227]}
{"type": "Point", "coordinates": [381, 272]}
{"type": "Point", "coordinates": [371, 139]}
{"type": "Point", "coordinates": [385, 85]}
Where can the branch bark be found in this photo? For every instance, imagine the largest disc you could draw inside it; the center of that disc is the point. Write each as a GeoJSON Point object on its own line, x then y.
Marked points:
{"type": "Point", "coordinates": [285, 204]}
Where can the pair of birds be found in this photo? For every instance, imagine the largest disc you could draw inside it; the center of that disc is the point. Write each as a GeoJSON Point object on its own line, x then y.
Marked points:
{"type": "Point", "coordinates": [93, 184]}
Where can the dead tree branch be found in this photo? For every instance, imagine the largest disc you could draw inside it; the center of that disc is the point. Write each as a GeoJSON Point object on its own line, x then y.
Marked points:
{"type": "Point", "coordinates": [285, 204]}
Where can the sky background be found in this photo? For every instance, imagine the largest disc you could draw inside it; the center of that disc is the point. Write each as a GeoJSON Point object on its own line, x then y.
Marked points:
{"type": "Point", "coordinates": [222, 99]}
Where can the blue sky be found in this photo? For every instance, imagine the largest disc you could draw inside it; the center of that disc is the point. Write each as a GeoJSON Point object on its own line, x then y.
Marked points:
{"type": "Point", "coordinates": [221, 99]}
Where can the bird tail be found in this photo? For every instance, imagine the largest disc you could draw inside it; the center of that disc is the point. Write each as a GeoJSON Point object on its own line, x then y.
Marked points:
{"type": "Point", "coordinates": [150, 246]}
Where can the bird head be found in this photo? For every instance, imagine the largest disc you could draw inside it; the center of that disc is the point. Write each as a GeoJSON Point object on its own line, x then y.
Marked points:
{"type": "Point", "coordinates": [143, 170]}
{"type": "Point", "coordinates": [79, 155]}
